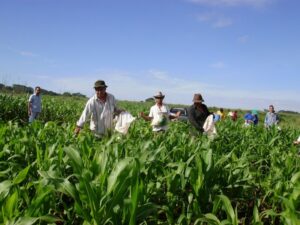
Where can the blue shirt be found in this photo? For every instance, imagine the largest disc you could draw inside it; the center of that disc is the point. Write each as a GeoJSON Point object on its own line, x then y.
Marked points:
{"type": "Point", "coordinates": [251, 118]}
{"type": "Point", "coordinates": [217, 117]}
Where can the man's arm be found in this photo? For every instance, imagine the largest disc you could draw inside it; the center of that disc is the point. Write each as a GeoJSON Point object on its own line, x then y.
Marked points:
{"type": "Point", "coordinates": [149, 117]}
{"type": "Point", "coordinates": [84, 116]}
{"type": "Point", "coordinates": [29, 105]}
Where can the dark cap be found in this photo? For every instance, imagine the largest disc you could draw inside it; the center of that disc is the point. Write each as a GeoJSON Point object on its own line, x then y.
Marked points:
{"type": "Point", "coordinates": [99, 84]}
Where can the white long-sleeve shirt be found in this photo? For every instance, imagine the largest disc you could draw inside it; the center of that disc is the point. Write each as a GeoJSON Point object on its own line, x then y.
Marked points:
{"type": "Point", "coordinates": [100, 114]}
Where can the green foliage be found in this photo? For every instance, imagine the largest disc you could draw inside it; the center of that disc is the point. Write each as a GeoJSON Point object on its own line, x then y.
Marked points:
{"type": "Point", "coordinates": [243, 176]}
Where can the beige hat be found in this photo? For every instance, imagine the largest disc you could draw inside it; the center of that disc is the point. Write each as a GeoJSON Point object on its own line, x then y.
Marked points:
{"type": "Point", "coordinates": [159, 95]}
{"type": "Point", "coordinates": [198, 98]}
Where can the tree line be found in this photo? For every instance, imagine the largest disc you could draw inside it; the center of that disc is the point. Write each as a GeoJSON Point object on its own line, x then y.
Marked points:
{"type": "Point", "coordinates": [22, 89]}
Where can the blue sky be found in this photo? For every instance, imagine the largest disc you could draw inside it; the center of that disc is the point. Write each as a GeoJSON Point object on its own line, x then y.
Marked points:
{"type": "Point", "coordinates": [236, 53]}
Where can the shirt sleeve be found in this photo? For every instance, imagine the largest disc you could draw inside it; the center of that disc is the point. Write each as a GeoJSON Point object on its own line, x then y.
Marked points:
{"type": "Point", "coordinates": [114, 104]}
{"type": "Point", "coordinates": [207, 111]}
{"type": "Point", "coordinates": [85, 114]}
{"type": "Point", "coordinates": [277, 118]}
{"type": "Point", "coordinates": [266, 119]}
{"type": "Point", "coordinates": [30, 98]}
{"type": "Point", "coordinates": [167, 109]}
{"type": "Point", "coordinates": [151, 113]}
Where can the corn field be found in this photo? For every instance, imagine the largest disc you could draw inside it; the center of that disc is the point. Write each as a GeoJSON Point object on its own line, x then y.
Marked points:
{"type": "Point", "coordinates": [49, 176]}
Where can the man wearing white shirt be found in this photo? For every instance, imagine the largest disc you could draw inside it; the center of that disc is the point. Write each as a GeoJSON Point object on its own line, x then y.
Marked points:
{"type": "Point", "coordinates": [100, 110]}
{"type": "Point", "coordinates": [159, 114]}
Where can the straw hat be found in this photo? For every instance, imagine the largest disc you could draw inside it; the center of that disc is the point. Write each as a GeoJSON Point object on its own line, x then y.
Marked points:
{"type": "Point", "coordinates": [159, 95]}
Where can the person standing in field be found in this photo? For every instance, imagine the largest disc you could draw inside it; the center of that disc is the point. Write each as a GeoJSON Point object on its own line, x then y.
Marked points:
{"type": "Point", "coordinates": [251, 118]}
{"type": "Point", "coordinates": [271, 117]}
{"type": "Point", "coordinates": [221, 113]}
{"type": "Point", "coordinates": [197, 113]}
{"type": "Point", "coordinates": [100, 110]}
{"type": "Point", "coordinates": [233, 115]}
{"type": "Point", "coordinates": [159, 114]}
{"type": "Point", "coordinates": [34, 104]}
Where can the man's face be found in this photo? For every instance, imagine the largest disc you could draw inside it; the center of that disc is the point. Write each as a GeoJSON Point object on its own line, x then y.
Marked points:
{"type": "Point", "coordinates": [197, 104]}
{"type": "Point", "coordinates": [37, 91]}
{"type": "Point", "coordinates": [271, 109]}
{"type": "Point", "coordinates": [100, 91]}
{"type": "Point", "coordinates": [159, 100]}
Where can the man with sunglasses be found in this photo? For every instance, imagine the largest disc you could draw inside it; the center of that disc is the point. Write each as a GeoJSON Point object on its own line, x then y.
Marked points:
{"type": "Point", "coordinates": [100, 110]}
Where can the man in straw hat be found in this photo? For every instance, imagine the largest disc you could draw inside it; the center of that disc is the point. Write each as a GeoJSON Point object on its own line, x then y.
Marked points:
{"type": "Point", "coordinates": [100, 109]}
{"type": "Point", "coordinates": [198, 112]}
{"type": "Point", "coordinates": [159, 114]}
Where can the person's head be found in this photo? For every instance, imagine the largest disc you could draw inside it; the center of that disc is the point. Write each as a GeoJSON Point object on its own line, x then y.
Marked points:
{"type": "Point", "coordinates": [271, 108]}
{"type": "Point", "coordinates": [37, 90]}
{"type": "Point", "coordinates": [100, 88]}
{"type": "Point", "coordinates": [221, 110]}
{"type": "Point", "coordinates": [198, 99]}
{"type": "Point", "coordinates": [159, 97]}
{"type": "Point", "coordinates": [254, 113]}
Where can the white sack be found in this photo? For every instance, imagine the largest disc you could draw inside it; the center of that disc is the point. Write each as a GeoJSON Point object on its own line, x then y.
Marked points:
{"type": "Point", "coordinates": [124, 119]}
{"type": "Point", "coordinates": [209, 126]}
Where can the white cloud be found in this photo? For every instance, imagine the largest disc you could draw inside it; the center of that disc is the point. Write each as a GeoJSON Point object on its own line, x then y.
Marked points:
{"type": "Point", "coordinates": [222, 22]}
{"type": "Point", "coordinates": [160, 75]}
{"type": "Point", "coordinates": [243, 39]}
{"type": "Point", "coordinates": [27, 54]}
{"type": "Point", "coordinates": [42, 77]}
{"type": "Point", "coordinates": [218, 65]}
{"type": "Point", "coordinates": [215, 19]}
{"type": "Point", "coordinates": [140, 85]}
{"type": "Point", "coordinates": [252, 3]}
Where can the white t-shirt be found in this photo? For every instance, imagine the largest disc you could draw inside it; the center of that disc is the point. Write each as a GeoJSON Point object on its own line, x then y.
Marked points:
{"type": "Point", "coordinates": [160, 117]}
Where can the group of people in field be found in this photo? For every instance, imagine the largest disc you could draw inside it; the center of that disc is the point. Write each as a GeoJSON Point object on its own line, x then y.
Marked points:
{"type": "Point", "coordinates": [101, 109]}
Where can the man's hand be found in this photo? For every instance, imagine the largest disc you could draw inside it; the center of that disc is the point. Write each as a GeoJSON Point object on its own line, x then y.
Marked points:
{"type": "Point", "coordinates": [77, 130]}
{"type": "Point", "coordinates": [296, 142]}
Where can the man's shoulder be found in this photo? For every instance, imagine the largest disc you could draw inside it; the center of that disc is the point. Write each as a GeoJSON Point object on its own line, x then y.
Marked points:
{"type": "Point", "coordinates": [31, 96]}
{"type": "Point", "coordinates": [110, 95]}
{"type": "Point", "coordinates": [92, 99]}
{"type": "Point", "coordinates": [165, 106]}
{"type": "Point", "coordinates": [191, 108]}
{"type": "Point", "coordinates": [153, 107]}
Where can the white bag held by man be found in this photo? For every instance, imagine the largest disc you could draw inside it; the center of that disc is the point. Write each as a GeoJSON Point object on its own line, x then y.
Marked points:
{"type": "Point", "coordinates": [209, 126]}
{"type": "Point", "coordinates": [124, 119]}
